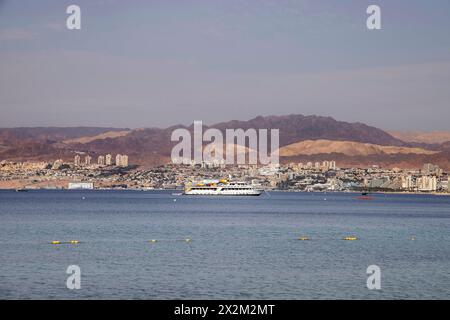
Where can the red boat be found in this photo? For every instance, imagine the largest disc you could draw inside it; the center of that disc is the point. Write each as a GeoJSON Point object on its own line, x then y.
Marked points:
{"type": "Point", "coordinates": [365, 196]}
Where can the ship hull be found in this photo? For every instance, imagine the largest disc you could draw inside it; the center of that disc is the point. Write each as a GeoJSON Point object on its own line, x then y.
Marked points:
{"type": "Point", "coordinates": [243, 193]}
{"type": "Point", "coordinates": [217, 188]}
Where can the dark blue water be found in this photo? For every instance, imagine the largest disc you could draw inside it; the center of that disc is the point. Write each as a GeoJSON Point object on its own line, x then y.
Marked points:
{"type": "Point", "coordinates": [242, 248]}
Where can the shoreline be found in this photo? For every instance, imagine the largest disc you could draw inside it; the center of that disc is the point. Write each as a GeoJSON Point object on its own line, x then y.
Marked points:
{"type": "Point", "coordinates": [55, 188]}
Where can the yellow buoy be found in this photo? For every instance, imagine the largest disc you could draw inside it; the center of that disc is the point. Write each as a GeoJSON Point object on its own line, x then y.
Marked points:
{"type": "Point", "coordinates": [304, 238]}
{"type": "Point", "coordinates": [74, 241]}
{"type": "Point", "coordinates": [56, 242]}
{"type": "Point", "coordinates": [350, 238]}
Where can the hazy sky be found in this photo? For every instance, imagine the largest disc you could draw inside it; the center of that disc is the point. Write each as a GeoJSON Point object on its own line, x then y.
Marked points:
{"type": "Point", "coordinates": [158, 63]}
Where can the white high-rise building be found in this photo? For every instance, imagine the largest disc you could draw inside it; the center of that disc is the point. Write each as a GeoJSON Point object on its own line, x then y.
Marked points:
{"type": "Point", "coordinates": [431, 169]}
{"type": "Point", "coordinates": [87, 160]}
{"type": "Point", "coordinates": [122, 160]}
{"type": "Point", "coordinates": [101, 160]}
{"type": "Point", "coordinates": [77, 160]}
{"type": "Point", "coordinates": [328, 165]}
{"type": "Point", "coordinates": [118, 158]}
{"type": "Point", "coordinates": [426, 183]}
{"type": "Point", "coordinates": [407, 183]}
{"type": "Point", "coordinates": [433, 183]}
{"type": "Point", "coordinates": [332, 165]}
{"type": "Point", "coordinates": [108, 160]}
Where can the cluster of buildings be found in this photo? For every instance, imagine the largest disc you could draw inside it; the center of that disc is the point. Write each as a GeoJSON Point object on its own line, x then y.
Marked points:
{"type": "Point", "coordinates": [325, 165]}
{"type": "Point", "coordinates": [421, 183]}
{"type": "Point", "coordinates": [430, 178]}
{"type": "Point", "coordinates": [203, 164]}
{"type": "Point", "coordinates": [115, 172]}
{"type": "Point", "coordinates": [121, 160]}
{"type": "Point", "coordinates": [318, 176]}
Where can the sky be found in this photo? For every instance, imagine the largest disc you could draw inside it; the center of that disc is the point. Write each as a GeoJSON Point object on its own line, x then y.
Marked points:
{"type": "Point", "coordinates": [159, 63]}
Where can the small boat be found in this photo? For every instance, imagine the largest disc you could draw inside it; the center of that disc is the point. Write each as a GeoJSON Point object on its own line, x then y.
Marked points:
{"type": "Point", "coordinates": [21, 190]}
{"type": "Point", "coordinates": [365, 196]}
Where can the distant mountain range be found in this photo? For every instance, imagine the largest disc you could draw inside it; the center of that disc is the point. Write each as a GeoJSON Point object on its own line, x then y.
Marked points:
{"type": "Point", "coordinates": [302, 138]}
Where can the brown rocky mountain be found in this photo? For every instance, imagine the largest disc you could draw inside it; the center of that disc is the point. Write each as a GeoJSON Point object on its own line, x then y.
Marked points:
{"type": "Point", "coordinates": [9, 136]}
{"type": "Point", "coordinates": [295, 127]}
{"type": "Point", "coordinates": [152, 146]}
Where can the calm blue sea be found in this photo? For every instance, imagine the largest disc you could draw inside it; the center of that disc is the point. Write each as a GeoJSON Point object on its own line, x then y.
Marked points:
{"type": "Point", "coordinates": [242, 248]}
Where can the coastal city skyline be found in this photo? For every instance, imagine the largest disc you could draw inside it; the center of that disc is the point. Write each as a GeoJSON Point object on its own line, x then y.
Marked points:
{"type": "Point", "coordinates": [317, 176]}
{"type": "Point", "coordinates": [232, 157]}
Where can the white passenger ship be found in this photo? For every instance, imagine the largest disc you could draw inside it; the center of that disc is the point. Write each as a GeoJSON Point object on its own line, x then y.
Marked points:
{"type": "Point", "coordinates": [221, 188]}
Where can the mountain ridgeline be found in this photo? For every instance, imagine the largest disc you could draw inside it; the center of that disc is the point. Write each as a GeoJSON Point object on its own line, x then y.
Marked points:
{"type": "Point", "coordinates": [323, 138]}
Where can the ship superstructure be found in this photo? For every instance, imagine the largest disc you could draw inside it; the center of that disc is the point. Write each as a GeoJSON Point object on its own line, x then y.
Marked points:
{"type": "Point", "coordinates": [221, 188]}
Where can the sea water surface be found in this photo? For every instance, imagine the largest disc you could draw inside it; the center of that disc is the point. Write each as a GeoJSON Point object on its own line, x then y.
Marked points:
{"type": "Point", "coordinates": [241, 248]}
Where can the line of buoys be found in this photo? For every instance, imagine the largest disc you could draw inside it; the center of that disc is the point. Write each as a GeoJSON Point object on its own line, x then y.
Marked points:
{"type": "Point", "coordinates": [188, 240]}
{"type": "Point", "coordinates": [306, 238]}
{"type": "Point", "coordinates": [183, 240]}
{"type": "Point", "coordinates": [65, 242]}
{"type": "Point", "coordinates": [349, 238]}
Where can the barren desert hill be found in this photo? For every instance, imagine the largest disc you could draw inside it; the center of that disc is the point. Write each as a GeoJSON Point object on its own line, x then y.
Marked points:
{"type": "Point", "coordinates": [349, 148]}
